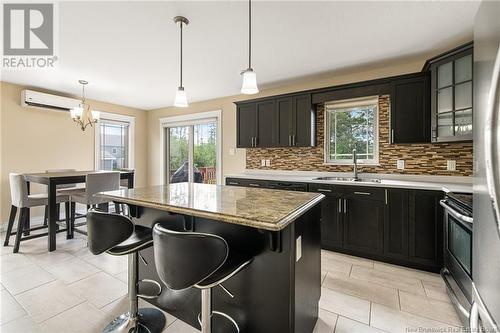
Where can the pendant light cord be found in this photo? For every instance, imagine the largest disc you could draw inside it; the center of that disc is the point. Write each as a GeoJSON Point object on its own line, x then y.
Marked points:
{"type": "Point", "coordinates": [249, 34]}
{"type": "Point", "coordinates": [181, 55]}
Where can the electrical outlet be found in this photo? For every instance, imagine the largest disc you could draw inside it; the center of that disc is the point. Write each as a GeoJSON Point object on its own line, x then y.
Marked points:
{"type": "Point", "coordinates": [451, 165]}
{"type": "Point", "coordinates": [262, 162]}
{"type": "Point", "coordinates": [401, 164]}
{"type": "Point", "coordinates": [268, 163]}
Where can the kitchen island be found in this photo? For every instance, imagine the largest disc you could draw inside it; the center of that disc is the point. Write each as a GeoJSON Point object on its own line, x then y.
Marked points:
{"type": "Point", "coordinates": [279, 291]}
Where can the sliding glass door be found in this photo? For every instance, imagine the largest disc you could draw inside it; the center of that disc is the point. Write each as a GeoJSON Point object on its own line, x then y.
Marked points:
{"type": "Point", "coordinates": [191, 152]}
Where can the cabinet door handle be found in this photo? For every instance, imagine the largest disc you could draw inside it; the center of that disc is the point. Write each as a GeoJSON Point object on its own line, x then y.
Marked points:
{"type": "Point", "coordinates": [293, 140]}
{"type": "Point", "coordinates": [340, 205]}
{"type": "Point", "coordinates": [254, 185]}
{"type": "Point", "coordinates": [233, 183]}
{"type": "Point", "coordinates": [289, 139]}
{"type": "Point", "coordinates": [386, 197]}
{"type": "Point", "coordinates": [345, 206]}
{"type": "Point", "coordinates": [362, 193]}
{"type": "Point", "coordinates": [392, 136]}
{"type": "Point", "coordinates": [256, 141]}
{"type": "Point", "coordinates": [323, 190]}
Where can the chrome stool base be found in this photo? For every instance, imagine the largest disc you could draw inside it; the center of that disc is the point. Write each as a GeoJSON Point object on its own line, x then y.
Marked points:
{"type": "Point", "coordinates": [224, 315]}
{"type": "Point", "coordinates": [148, 321]}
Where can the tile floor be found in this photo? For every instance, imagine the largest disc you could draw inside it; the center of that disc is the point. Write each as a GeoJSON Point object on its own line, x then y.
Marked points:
{"type": "Point", "coordinates": [58, 292]}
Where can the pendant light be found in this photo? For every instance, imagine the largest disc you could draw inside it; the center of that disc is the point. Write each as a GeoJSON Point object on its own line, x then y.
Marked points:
{"type": "Point", "coordinates": [82, 115]}
{"type": "Point", "coordinates": [180, 95]}
{"type": "Point", "coordinates": [249, 85]}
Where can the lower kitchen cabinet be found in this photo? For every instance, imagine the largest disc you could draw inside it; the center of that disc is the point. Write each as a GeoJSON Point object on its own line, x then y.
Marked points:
{"type": "Point", "coordinates": [363, 225]}
{"type": "Point", "coordinates": [426, 228]}
{"type": "Point", "coordinates": [396, 224]}
{"type": "Point", "coordinates": [399, 226]}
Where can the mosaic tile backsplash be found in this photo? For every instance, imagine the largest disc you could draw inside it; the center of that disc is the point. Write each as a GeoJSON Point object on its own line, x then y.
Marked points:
{"type": "Point", "coordinates": [420, 159]}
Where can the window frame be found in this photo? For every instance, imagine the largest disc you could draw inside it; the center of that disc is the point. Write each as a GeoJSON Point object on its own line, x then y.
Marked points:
{"type": "Point", "coordinates": [113, 117]}
{"type": "Point", "coordinates": [189, 120]}
{"type": "Point", "coordinates": [329, 109]}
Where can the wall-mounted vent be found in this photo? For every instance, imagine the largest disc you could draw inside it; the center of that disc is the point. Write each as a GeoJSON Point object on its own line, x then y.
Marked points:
{"type": "Point", "coordinates": [31, 98]}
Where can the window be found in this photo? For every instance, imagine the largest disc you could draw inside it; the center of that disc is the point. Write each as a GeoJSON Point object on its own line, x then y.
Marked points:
{"type": "Point", "coordinates": [191, 148]}
{"type": "Point", "coordinates": [351, 124]}
{"type": "Point", "coordinates": [114, 142]}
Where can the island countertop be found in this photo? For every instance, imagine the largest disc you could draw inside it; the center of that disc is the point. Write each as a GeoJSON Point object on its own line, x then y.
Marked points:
{"type": "Point", "coordinates": [265, 209]}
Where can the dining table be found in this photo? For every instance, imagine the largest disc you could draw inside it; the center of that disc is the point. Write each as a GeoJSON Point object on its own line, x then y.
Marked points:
{"type": "Point", "coordinates": [52, 180]}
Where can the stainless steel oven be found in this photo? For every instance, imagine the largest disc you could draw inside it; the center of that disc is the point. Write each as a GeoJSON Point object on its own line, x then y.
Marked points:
{"type": "Point", "coordinates": [457, 271]}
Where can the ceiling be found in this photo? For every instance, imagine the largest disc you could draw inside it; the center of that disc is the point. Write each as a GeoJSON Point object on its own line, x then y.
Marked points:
{"type": "Point", "coordinates": [129, 51]}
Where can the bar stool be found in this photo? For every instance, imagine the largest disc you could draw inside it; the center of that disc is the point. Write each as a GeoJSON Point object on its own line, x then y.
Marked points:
{"type": "Point", "coordinates": [94, 183]}
{"type": "Point", "coordinates": [24, 201]}
{"type": "Point", "coordinates": [193, 259]}
{"type": "Point", "coordinates": [117, 235]}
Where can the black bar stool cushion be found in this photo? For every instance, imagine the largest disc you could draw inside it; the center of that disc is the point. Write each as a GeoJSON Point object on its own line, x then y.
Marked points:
{"type": "Point", "coordinates": [140, 239]}
{"type": "Point", "coordinates": [106, 230]}
{"type": "Point", "coordinates": [183, 259]}
{"type": "Point", "coordinates": [235, 262]}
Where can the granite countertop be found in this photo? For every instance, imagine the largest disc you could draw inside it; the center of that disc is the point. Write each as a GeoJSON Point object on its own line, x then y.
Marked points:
{"type": "Point", "coordinates": [436, 183]}
{"type": "Point", "coordinates": [258, 208]}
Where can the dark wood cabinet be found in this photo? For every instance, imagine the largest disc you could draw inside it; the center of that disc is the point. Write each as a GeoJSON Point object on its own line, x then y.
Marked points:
{"type": "Point", "coordinates": [303, 121]}
{"type": "Point", "coordinates": [426, 228]}
{"type": "Point", "coordinates": [451, 94]}
{"type": "Point", "coordinates": [284, 116]}
{"type": "Point", "coordinates": [277, 122]}
{"type": "Point", "coordinates": [266, 127]}
{"type": "Point", "coordinates": [246, 118]}
{"type": "Point", "coordinates": [410, 109]}
{"type": "Point", "coordinates": [363, 225]}
{"type": "Point", "coordinates": [396, 224]}
{"type": "Point", "coordinates": [331, 215]}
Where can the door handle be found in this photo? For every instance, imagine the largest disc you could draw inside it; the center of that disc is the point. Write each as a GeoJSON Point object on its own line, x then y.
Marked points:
{"type": "Point", "coordinates": [233, 183]}
{"type": "Point", "coordinates": [254, 185]}
{"type": "Point", "coordinates": [345, 206]}
{"type": "Point", "coordinates": [289, 139]}
{"type": "Point", "coordinates": [386, 197]}
{"type": "Point", "coordinates": [340, 205]}
{"type": "Point", "coordinates": [323, 190]}
{"type": "Point", "coordinates": [392, 136]}
{"type": "Point", "coordinates": [293, 140]}
{"type": "Point", "coordinates": [490, 144]}
{"type": "Point", "coordinates": [256, 141]}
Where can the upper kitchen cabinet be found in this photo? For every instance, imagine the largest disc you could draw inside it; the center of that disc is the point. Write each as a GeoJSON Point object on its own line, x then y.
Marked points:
{"type": "Point", "coordinates": [280, 121]}
{"type": "Point", "coordinates": [451, 94]}
{"type": "Point", "coordinates": [296, 121]}
{"type": "Point", "coordinates": [410, 109]}
{"type": "Point", "coordinates": [246, 119]}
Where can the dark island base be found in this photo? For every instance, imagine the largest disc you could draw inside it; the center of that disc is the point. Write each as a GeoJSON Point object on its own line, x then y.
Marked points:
{"type": "Point", "coordinates": [275, 293]}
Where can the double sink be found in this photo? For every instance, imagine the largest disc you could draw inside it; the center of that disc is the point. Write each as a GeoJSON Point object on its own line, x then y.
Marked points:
{"type": "Point", "coordinates": [350, 179]}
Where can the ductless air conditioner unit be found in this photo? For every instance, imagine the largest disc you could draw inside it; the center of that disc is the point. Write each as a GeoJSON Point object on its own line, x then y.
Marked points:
{"type": "Point", "coordinates": [31, 98]}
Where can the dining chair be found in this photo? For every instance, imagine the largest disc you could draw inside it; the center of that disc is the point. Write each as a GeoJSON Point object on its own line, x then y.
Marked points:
{"type": "Point", "coordinates": [22, 200]}
{"type": "Point", "coordinates": [94, 183]}
{"type": "Point", "coordinates": [60, 190]}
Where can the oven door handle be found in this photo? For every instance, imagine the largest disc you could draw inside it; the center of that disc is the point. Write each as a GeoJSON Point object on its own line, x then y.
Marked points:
{"type": "Point", "coordinates": [454, 213]}
{"type": "Point", "coordinates": [453, 297]}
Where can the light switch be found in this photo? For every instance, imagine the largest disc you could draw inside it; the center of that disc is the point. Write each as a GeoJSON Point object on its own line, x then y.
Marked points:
{"type": "Point", "coordinates": [262, 162]}
{"type": "Point", "coordinates": [298, 248]}
{"type": "Point", "coordinates": [401, 164]}
{"type": "Point", "coordinates": [268, 163]}
{"type": "Point", "coordinates": [451, 165]}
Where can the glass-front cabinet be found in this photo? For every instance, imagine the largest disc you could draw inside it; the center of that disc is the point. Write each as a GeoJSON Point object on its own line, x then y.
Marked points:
{"type": "Point", "coordinates": [451, 95]}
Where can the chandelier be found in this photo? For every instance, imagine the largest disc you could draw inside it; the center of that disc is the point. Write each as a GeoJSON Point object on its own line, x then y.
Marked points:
{"type": "Point", "coordinates": [82, 115]}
